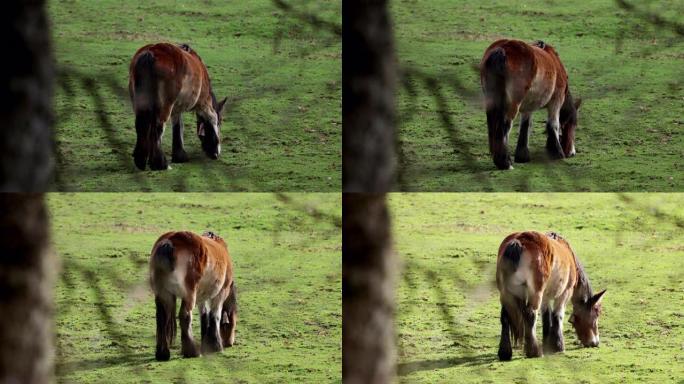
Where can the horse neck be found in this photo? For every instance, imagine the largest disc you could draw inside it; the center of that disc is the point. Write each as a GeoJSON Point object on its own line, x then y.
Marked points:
{"type": "Point", "coordinates": [582, 291]}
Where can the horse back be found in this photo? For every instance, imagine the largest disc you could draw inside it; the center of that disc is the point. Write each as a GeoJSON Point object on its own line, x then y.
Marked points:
{"type": "Point", "coordinates": [542, 258]}
{"type": "Point", "coordinates": [179, 76]}
{"type": "Point", "coordinates": [533, 74]}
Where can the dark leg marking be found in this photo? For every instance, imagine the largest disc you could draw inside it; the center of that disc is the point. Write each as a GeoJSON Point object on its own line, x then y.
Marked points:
{"type": "Point", "coordinates": [505, 350]}
{"type": "Point", "coordinates": [178, 154]}
{"type": "Point", "coordinates": [522, 152]}
{"type": "Point", "coordinates": [157, 158]}
{"type": "Point", "coordinates": [553, 147]}
{"type": "Point", "coordinates": [212, 342]}
{"type": "Point", "coordinates": [555, 342]}
{"type": "Point", "coordinates": [165, 317]}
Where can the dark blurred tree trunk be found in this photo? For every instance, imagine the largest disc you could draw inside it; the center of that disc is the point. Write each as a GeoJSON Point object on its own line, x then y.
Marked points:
{"type": "Point", "coordinates": [26, 268]}
{"type": "Point", "coordinates": [368, 270]}
{"type": "Point", "coordinates": [26, 160]}
{"type": "Point", "coordinates": [26, 164]}
{"type": "Point", "coordinates": [369, 162]}
{"type": "Point", "coordinates": [368, 82]}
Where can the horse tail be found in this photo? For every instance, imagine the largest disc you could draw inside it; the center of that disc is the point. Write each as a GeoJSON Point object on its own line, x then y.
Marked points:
{"type": "Point", "coordinates": [512, 253]}
{"type": "Point", "coordinates": [164, 259]}
{"type": "Point", "coordinates": [511, 260]}
{"type": "Point", "coordinates": [494, 87]}
{"type": "Point", "coordinates": [146, 105]}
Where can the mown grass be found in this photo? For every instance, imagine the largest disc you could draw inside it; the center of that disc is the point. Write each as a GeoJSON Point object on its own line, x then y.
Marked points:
{"type": "Point", "coordinates": [628, 72]}
{"type": "Point", "coordinates": [448, 308]}
{"type": "Point", "coordinates": [280, 73]}
{"type": "Point", "coordinates": [287, 267]}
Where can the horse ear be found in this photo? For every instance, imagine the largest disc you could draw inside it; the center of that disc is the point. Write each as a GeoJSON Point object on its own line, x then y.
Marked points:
{"type": "Point", "coordinates": [222, 106]}
{"type": "Point", "coordinates": [572, 319]}
{"type": "Point", "coordinates": [596, 299]}
{"type": "Point", "coordinates": [578, 103]}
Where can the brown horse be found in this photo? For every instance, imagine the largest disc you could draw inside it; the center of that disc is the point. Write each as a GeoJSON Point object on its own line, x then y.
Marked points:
{"type": "Point", "coordinates": [532, 270]}
{"type": "Point", "coordinates": [165, 81]}
{"type": "Point", "coordinates": [199, 271]}
{"type": "Point", "coordinates": [520, 77]}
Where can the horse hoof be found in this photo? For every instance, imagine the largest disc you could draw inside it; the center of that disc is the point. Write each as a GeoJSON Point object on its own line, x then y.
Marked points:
{"type": "Point", "coordinates": [505, 355]}
{"type": "Point", "coordinates": [162, 355]}
{"type": "Point", "coordinates": [189, 350]}
{"type": "Point", "coordinates": [533, 351]}
{"type": "Point", "coordinates": [180, 157]}
{"type": "Point", "coordinates": [523, 157]}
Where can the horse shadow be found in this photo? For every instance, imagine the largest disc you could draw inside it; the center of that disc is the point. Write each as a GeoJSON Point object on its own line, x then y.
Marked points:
{"type": "Point", "coordinates": [404, 369]}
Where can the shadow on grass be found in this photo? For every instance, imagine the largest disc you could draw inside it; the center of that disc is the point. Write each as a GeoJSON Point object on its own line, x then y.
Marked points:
{"type": "Point", "coordinates": [404, 369]}
{"type": "Point", "coordinates": [123, 360]}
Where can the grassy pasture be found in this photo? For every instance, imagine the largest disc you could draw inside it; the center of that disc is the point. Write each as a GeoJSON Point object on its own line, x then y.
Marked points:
{"type": "Point", "coordinates": [628, 73]}
{"type": "Point", "coordinates": [281, 76]}
{"type": "Point", "coordinates": [288, 272]}
{"type": "Point", "coordinates": [448, 306]}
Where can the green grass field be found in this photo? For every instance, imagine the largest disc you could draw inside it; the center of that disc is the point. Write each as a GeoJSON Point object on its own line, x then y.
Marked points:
{"type": "Point", "coordinates": [282, 131]}
{"type": "Point", "coordinates": [628, 73]}
{"type": "Point", "coordinates": [448, 308]}
{"type": "Point", "coordinates": [286, 254]}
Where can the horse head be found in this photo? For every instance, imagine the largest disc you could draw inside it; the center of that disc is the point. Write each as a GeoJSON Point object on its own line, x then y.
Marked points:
{"type": "Point", "coordinates": [568, 121]}
{"type": "Point", "coordinates": [209, 132]}
{"type": "Point", "coordinates": [584, 319]}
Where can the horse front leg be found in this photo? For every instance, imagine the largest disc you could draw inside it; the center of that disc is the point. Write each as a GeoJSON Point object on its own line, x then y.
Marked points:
{"type": "Point", "coordinates": [188, 345]}
{"type": "Point", "coordinates": [522, 151]}
{"type": "Point", "coordinates": [212, 342]}
{"type": "Point", "coordinates": [555, 342]}
{"type": "Point", "coordinates": [553, 146]}
{"type": "Point", "coordinates": [178, 154]}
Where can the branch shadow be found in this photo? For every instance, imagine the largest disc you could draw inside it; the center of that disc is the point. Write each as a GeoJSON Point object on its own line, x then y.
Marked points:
{"type": "Point", "coordinates": [404, 369]}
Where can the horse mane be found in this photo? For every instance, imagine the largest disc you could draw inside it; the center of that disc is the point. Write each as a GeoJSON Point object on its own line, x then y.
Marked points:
{"type": "Point", "coordinates": [213, 236]}
{"type": "Point", "coordinates": [582, 291]}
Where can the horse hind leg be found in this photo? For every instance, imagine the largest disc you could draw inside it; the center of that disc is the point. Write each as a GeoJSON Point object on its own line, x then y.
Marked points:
{"type": "Point", "coordinates": [143, 122]}
{"type": "Point", "coordinates": [530, 319]}
{"type": "Point", "coordinates": [505, 351]}
{"type": "Point", "coordinates": [165, 305]}
{"type": "Point", "coordinates": [522, 151]}
{"type": "Point", "coordinates": [178, 154]}
{"type": "Point", "coordinates": [157, 160]}
{"type": "Point", "coordinates": [188, 345]}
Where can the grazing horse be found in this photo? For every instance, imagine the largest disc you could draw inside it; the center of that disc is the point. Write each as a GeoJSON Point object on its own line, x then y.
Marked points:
{"type": "Point", "coordinates": [199, 271]}
{"type": "Point", "coordinates": [532, 270]}
{"type": "Point", "coordinates": [521, 77]}
{"type": "Point", "coordinates": [165, 81]}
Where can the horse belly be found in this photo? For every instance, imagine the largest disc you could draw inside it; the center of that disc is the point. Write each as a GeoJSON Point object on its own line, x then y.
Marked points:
{"type": "Point", "coordinates": [540, 92]}
{"type": "Point", "coordinates": [209, 286]}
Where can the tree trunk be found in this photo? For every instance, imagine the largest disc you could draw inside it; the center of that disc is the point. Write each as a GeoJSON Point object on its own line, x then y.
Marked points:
{"type": "Point", "coordinates": [368, 82]}
{"type": "Point", "coordinates": [26, 278]}
{"type": "Point", "coordinates": [368, 276]}
{"type": "Point", "coordinates": [26, 160]}
{"type": "Point", "coordinates": [26, 165]}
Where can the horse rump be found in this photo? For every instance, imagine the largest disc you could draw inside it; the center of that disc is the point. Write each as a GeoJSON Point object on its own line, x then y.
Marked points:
{"type": "Point", "coordinates": [493, 74]}
{"type": "Point", "coordinates": [146, 105]}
